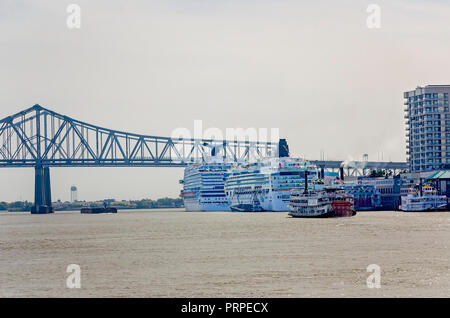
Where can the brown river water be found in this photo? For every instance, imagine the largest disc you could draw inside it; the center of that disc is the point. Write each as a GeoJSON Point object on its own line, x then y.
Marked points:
{"type": "Point", "coordinates": [171, 253]}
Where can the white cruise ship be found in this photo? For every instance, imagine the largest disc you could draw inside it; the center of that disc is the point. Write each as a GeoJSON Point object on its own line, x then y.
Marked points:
{"type": "Point", "coordinates": [203, 185]}
{"type": "Point", "coordinates": [265, 185]}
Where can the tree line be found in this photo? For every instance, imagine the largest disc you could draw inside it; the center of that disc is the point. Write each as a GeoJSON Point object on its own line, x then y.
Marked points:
{"type": "Point", "coordinates": [132, 204]}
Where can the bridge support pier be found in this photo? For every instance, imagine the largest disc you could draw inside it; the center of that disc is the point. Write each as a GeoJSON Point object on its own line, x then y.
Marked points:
{"type": "Point", "coordinates": [42, 191]}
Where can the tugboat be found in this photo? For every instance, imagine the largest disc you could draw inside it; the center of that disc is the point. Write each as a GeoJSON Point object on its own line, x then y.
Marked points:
{"type": "Point", "coordinates": [424, 199]}
{"type": "Point", "coordinates": [331, 201]}
{"type": "Point", "coordinates": [97, 210]}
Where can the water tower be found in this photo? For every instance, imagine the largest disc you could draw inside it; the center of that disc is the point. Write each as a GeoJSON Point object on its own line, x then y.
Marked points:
{"type": "Point", "coordinates": [73, 194]}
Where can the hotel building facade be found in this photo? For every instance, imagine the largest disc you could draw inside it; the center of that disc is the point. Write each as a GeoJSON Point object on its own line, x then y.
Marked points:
{"type": "Point", "coordinates": [428, 128]}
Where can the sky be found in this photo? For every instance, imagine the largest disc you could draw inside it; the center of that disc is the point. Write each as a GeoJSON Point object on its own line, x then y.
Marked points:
{"type": "Point", "coordinates": [312, 69]}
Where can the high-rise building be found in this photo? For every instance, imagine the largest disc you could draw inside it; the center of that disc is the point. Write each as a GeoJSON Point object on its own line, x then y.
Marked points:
{"type": "Point", "coordinates": [428, 128]}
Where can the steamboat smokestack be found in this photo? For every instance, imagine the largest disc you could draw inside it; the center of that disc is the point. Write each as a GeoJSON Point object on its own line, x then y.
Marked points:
{"type": "Point", "coordinates": [306, 181]}
{"type": "Point", "coordinates": [420, 187]}
{"type": "Point", "coordinates": [341, 173]}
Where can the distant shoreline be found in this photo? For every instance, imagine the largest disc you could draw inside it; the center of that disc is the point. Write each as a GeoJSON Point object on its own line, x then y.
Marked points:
{"type": "Point", "coordinates": [161, 203]}
{"type": "Point", "coordinates": [118, 208]}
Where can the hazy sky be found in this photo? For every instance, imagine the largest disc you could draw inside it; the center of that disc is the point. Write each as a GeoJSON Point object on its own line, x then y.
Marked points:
{"type": "Point", "coordinates": [312, 69]}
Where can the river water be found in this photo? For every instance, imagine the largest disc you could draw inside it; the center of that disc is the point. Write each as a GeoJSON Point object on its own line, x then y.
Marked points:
{"type": "Point", "coordinates": [171, 253]}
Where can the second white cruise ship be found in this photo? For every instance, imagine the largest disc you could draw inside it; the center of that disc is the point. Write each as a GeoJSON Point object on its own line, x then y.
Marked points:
{"type": "Point", "coordinates": [265, 185]}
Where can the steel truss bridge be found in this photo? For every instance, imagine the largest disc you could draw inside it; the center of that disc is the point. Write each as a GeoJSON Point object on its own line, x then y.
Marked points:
{"type": "Point", "coordinates": [40, 138]}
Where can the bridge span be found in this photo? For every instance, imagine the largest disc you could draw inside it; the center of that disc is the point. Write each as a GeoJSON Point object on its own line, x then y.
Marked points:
{"type": "Point", "coordinates": [360, 168]}
{"type": "Point", "coordinates": [41, 138]}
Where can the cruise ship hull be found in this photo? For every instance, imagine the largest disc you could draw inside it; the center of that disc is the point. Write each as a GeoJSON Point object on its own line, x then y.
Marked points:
{"type": "Point", "coordinates": [195, 205]}
{"type": "Point", "coordinates": [244, 208]}
{"type": "Point", "coordinates": [275, 201]}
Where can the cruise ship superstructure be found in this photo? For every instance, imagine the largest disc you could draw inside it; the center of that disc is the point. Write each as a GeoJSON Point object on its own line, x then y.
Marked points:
{"type": "Point", "coordinates": [265, 185]}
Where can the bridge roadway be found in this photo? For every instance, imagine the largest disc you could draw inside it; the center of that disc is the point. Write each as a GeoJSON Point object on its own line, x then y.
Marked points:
{"type": "Point", "coordinates": [41, 138]}
{"type": "Point", "coordinates": [360, 168]}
